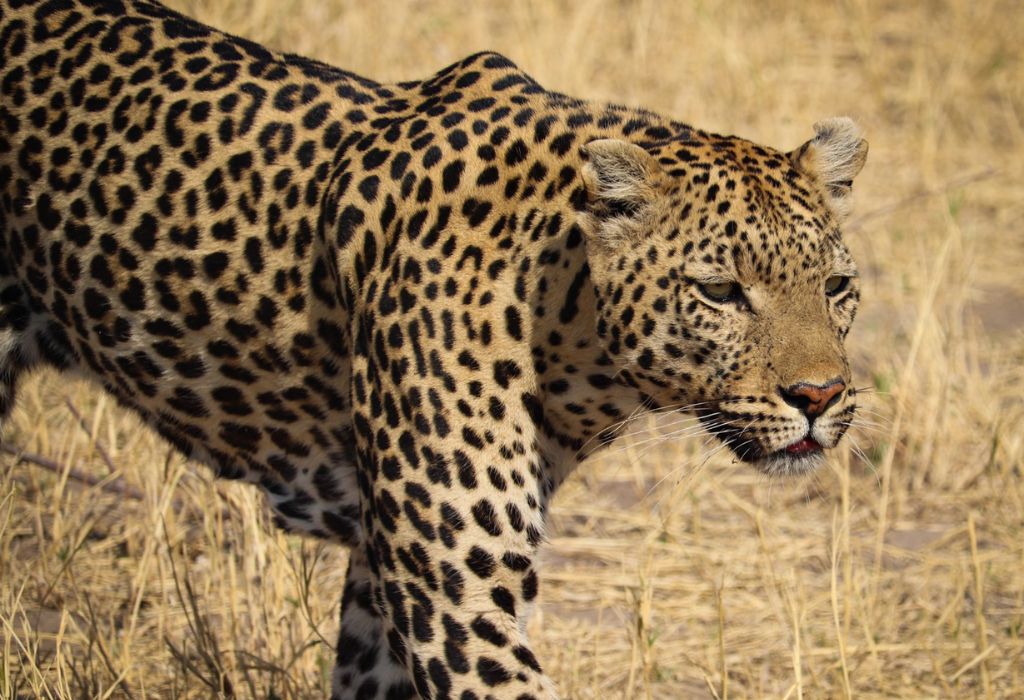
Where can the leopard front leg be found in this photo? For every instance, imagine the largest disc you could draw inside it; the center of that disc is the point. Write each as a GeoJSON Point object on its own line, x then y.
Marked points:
{"type": "Point", "coordinates": [452, 509]}
{"type": "Point", "coordinates": [453, 575]}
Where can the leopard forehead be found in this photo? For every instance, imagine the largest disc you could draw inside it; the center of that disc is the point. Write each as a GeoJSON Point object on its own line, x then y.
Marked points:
{"type": "Point", "coordinates": [730, 209]}
{"type": "Point", "coordinates": [745, 212]}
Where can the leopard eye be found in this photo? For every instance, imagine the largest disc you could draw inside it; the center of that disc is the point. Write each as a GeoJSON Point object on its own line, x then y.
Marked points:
{"type": "Point", "coordinates": [836, 285]}
{"type": "Point", "coordinates": [721, 292]}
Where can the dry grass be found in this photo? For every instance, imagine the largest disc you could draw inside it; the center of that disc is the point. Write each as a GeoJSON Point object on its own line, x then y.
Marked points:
{"type": "Point", "coordinates": [898, 573]}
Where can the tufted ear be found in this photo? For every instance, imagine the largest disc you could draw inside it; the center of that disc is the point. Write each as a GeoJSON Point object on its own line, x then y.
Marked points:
{"type": "Point", "coordinates": [622, 180]}
{"type": "Point", "coordinates": [833, 157]}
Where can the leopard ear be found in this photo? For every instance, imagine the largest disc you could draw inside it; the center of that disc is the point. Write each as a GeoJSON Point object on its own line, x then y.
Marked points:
{"type": "Point", "coordinates": [621, 179]}
{"type": "Point", "coordinates": [833, 157]}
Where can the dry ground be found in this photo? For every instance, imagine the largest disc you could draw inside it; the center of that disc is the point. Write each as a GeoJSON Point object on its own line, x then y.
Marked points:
{"type": "Point", "coordinates": [897, 573]}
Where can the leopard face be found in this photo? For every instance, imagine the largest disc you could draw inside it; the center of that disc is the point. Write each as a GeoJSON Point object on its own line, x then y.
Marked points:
{"type": "Point", "coordinates": [724, 287]}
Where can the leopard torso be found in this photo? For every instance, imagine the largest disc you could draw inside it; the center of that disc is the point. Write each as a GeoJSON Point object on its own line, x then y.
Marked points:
{"type": "Point", "coordinates": [406, 311]}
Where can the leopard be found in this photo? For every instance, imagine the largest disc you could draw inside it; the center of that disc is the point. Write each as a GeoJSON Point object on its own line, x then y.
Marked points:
{"type": "Point", "coordinates": [408, 311]}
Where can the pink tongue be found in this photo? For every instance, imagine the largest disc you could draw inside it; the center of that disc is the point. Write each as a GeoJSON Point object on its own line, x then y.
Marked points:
{"type": "Point", "coordinates": [805, 445]}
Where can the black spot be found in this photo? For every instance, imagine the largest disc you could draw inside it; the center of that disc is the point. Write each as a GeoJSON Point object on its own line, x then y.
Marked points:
{"type": "Point", "coordinates": [254, 254]}
{"type": "Point", "coordinates": [214, 264]}
{"type": "Point", "coordinates": [317, 116]}
{"type": "Point", "coordinates": [513, 323]}
{"type": "Point", "coordinates": [452, 175]}
{"type": "Point", "coordinates": [492, 672]}
{"type": "Point", "coordinates": [526, 658]}
{"type": "Point", "coordinates": [505, 371]}
{"type": "Point", "coordinates": [368, 188]}
{"type": "Point", "coordinates": [480, 562]}
{"type": "Point", "coordinates": [530, 586]}
{"type": "Point", "coordinates": [467, 474]}
{"type": "Point", "coordinates": [472, 438]}
{"type": "Point", "coordinates": [504, 599]}
{"type": "Point", "coordinates": [96, 304]}
{"type": "Point", "coordinates": [188, 402]}
{"type": "Point", "coordinates": [487, 518]}
{"type": "Point", "coordinates": [487, 631]}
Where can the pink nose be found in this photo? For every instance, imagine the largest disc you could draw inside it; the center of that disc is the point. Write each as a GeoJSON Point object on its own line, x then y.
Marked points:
{"type": "Point", "coordinates": [813, 399]}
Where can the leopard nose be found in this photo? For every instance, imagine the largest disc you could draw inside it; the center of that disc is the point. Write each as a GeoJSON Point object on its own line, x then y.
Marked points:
{"type": "Point", "coordinates": [813, 399]}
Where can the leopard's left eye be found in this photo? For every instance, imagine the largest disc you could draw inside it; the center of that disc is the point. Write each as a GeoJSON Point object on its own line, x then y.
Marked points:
{"type": "Point", "coordinates": [836, 285]}
{"type": "Point", "coordinates": [721, 292]}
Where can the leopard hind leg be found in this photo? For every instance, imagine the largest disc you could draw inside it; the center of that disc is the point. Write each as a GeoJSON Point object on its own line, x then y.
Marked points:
{"type": "Point", "coordinates": [365, 667]}
{"type": "Point", "coordinates": [18, 342]}
{"type": "Point", "coordinates": [14, 357]}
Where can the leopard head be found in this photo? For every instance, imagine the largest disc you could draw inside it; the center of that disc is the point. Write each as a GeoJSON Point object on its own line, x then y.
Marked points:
{"type": "Point", "coordinates": [723, 285]}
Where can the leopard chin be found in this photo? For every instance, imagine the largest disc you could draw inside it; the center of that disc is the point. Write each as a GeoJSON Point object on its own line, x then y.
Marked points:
{"type": "Point", "coordinates": [785, 464]}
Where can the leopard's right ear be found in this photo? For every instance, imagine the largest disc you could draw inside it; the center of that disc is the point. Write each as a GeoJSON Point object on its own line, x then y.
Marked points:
{"type": "Point", "coordinates": [833, 157]}
{"type": "Point", "coordinates": [622, 180]}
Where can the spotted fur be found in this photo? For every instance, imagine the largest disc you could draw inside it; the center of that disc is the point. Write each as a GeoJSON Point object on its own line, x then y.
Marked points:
{"type": "Point", "coordinates": [406, 311]}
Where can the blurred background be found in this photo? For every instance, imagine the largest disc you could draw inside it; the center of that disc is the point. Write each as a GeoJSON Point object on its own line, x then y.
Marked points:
{"type": "Point", "coordinates": [897, 572]}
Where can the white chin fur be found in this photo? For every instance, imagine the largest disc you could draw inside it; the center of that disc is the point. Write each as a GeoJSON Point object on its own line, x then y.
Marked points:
{"type": "Point", "coordinates": [790, 465]}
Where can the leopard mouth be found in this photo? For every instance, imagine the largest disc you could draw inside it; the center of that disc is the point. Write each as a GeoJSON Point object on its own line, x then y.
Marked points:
{"type": "Point", "coordinates": [798, 457]}
{"type": "Point", "coordinates": [804, 446]}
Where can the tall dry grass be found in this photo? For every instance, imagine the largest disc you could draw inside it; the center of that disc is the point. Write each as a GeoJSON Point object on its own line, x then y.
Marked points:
{"type": "Point", "coordinates": [896, 573]}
